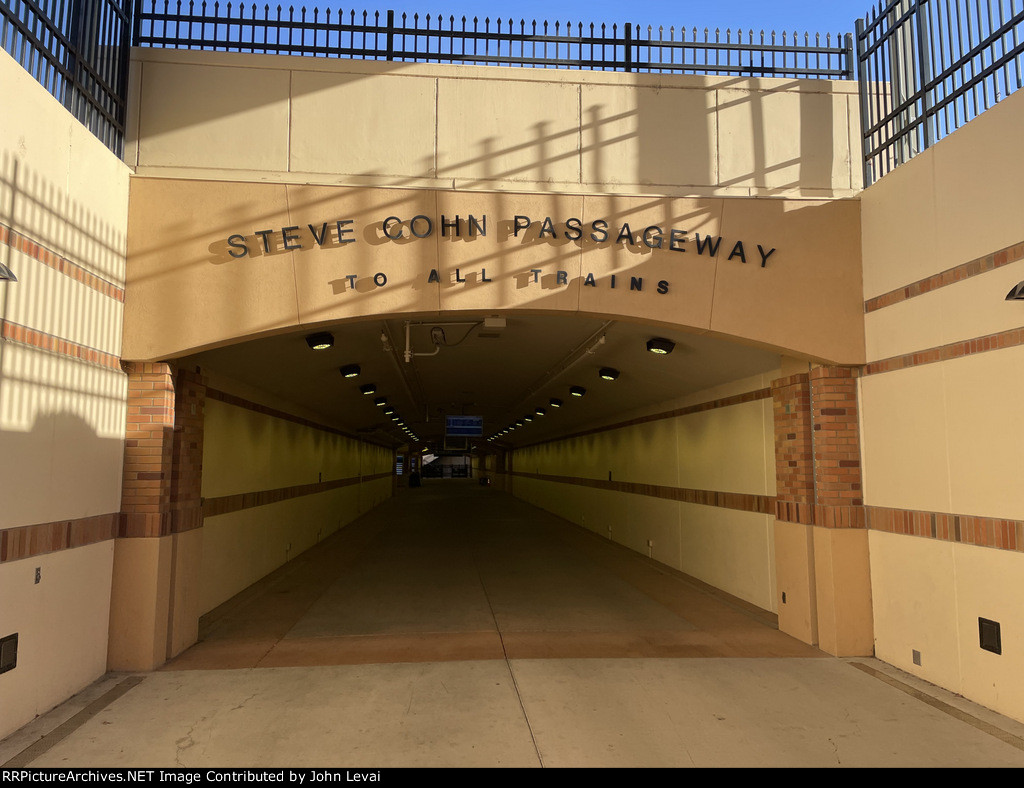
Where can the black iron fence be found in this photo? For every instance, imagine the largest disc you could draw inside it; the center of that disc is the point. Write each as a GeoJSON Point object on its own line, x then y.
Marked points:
{"type": "Point", "coordinates": [78, 50]}
{"type": "Point", "coordinates": [248, 27]}
{"type": "Point", "coordinates": [929, 66]}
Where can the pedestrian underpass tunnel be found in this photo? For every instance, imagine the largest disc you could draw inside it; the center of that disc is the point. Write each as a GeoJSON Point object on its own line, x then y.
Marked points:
{"type": "Point", "coordinates": [660, 308]}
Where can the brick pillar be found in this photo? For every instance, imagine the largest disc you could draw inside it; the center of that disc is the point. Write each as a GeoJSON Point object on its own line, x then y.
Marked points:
{"type": "Point", "coordinates": [154, 594]}
{"type": "Point", "coordinates": [841, 569]}
{"type": "Point", "coordinates": [820, 538]}
{"type": "Point", "coordinates": [148, 447]}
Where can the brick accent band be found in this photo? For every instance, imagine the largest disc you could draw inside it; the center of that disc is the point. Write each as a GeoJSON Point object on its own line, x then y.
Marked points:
{"type": "Point", "coordinates": [981, 265]}
{"type": "Point", "coordinates": [32, 540]}
{"type": "Point", "coordinates": [30, 337]}
{"type": "Point", "coordinates": [961, 528]}
{"type": "Point", "coordinates": [745, 502]}
{"type": "Point", "coordinates": [1012, 337]}
{"type": "Point", "coordinates": [51, 259]}
{"type": "Point", "coordinates": [724, 402]}
{"type": "Point", "coordinates": [231, 399]}
{"type": "Point", "coordinates": [226, 504]}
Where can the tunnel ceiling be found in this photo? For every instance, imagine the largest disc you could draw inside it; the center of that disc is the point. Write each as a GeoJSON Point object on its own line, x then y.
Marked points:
{"type": "Point", "coordinates": [501, 375]}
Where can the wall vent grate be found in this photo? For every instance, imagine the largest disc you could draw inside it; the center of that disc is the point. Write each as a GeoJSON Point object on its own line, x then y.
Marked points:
{"type": "Point", "coordinates": [989, 636]}
{"type": "Point", "coordinates": [9, 653]}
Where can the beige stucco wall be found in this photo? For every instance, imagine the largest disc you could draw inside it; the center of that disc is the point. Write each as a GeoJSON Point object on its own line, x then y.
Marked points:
{"type": "Point", "coordinates": [189, 288]}
{"type": "Point", "coordinates": [727, 449]}
{"type": "Point", "coordinates": [946, 436]}
{"type": "Point", "coordinates": [440, 126]}
{"type": "Point", "coordinates": [61, 420]}
{"type": "Point", "coordinates": [241, 547]}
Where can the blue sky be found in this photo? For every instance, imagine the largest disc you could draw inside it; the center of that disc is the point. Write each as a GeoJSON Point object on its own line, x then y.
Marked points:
{"type": "Point", "coordinates": [815, 16]}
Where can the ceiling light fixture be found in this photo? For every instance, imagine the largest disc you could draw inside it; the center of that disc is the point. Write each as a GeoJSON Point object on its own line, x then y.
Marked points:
{"type": "Point", "coordinates": [540, 412]}
{"type": "Point", "coordinates": [555, 403]}
{"type": "Point", "coordinates": [350, 371]}
{"type": "Point", "coordinates": [607, 373]}
{"type": "Point", "coordinates": [368, 388]}
{"type": "Point", "coordinates": [321, 341]}
{"type": "Point", "coordinates": [380, 402]}
{"type": "Point", "coordinates": [577, 391]}
{"type": "Point", "coordinates": [527, 418]}
{"type": "Point", "coordinates": [660, 346]}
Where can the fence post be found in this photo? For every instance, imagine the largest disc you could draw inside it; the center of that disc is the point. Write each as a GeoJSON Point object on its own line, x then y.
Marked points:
{"type": "Point", "coordinates": [849, 57]}
{"type": "Point", "coordinates": [863, 84]}
{"type": "Point", "coordinates": [391, 35]}
{"type": "Point", "coordinates": [924, 69]}
{"type": "Point", "coordinates": [629, 46]}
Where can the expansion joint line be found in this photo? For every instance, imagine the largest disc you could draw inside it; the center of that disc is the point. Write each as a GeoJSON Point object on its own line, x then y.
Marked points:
{"type": "Point", "coordinates": [511, 673]}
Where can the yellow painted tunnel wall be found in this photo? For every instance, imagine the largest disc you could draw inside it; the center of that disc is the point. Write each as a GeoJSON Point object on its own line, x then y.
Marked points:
{"type": "Point", "coordinates": [243, 546]}
{"type": "Point", "coordinates": [727, 449]}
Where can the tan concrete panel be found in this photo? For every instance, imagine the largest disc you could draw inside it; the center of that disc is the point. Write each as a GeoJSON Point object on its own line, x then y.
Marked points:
{"type": "Point", "coordinates": [729, 549]}
{"type": "Point", "coordinates": [842, 581]}
{"type": "Point", "coordinates": [906, 327]}
{"type": "Point", "coordinates": [978, 172]}
{"type": "Point", "coordinates": [479, 140]}
{"type": "Point", "coordinates": [794, 568]}
{"type": "Point", "coordinates": [185, 610]}
{"type": "Point", "coordinates": [62, 628]}
{"type": "Point", "coordinates": [325, 291]}
{"type": "Point", "coordinates": [139, 601]}
{"type": "Point", "coordinates": [914, 603]}
{"type": "Point", "coordinates": [689, 276]}
{"type": "Point", "coordinates": [647, 453]}
{"type": "Point", "coordinates": [904, 447]}
{"type": "Point", "coordinates": [655, 529]}
{"type": "Point", "coordinates": [184, 288]}
{"type": "Point", "coordinates": [95, 224]}
{"type": "Point", "coordinates": [973, 307]}
{"type": "Point", "coordinates": [61, 438]}
{"type": "Point", "coordinates": [782, 139]}
{"type": "Point", "coordinates": [988, 586]}
{"type": "Point", "coordinates": [901, 239]}
{"type": "Point", "coordinates": [52, 302]}
{"type": "Point", "coordinates": [214, 116]}
{"type": "Point", "coordinates": [807, 298]}
{"type": "Point", "coordinates": [986, 439]}
{"type": "Point", "coordinates": [724, 449]}
{"type": "Point", "coordinates": [509, 259]}
{"type": "Point", "coordinates": [636, 136]}
{"type": "Point", "coordinates": [58, 183]}
{"type": "Point", "coordinates": [347, 124]}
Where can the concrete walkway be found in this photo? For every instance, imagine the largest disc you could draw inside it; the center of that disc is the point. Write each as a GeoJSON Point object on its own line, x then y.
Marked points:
{"type": "Point", "coordinates": [457, 626]}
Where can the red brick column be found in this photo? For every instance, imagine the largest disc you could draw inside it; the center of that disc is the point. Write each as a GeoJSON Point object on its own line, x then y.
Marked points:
{"type": "Point", "coordinates": [154, 610]}
{"type": "Point", "coordinates": [148, 451]}
{"type": "Point", "coordinates": [839, 501]}
{"type": "Point", "coordinates": [794, 476]}
{"type": "Point", "coordinates": [185, 502]}
{"type": "Point", "coordinates": [821, 549]}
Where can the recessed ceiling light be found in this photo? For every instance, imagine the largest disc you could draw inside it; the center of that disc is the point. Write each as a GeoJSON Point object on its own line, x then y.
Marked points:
{"type": "Point", "coordinates": [555, 403]}
{"type": "Point", "coordinates": [350, 371]}
{"type": "Point", "coordinates": [608, 373]}
{"type": "Point", "coordinates": [320, 341]}
{"type": "Point", "coordinates": [380, 402]}
{"type": "Point", "coordinates": [369, 388]}
{"type": "Point", "coordinates": [540, 411]}
{"type": "Point", "coordinates": [577, 391]}
{"type": "Point", "coordinates": [527, 418]}
{"type": "Point", "coordinates": [660, 346]}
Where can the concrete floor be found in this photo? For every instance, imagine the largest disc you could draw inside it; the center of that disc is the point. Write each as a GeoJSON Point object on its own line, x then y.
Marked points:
{"type": "Point", "coordinates": [457, 626]}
